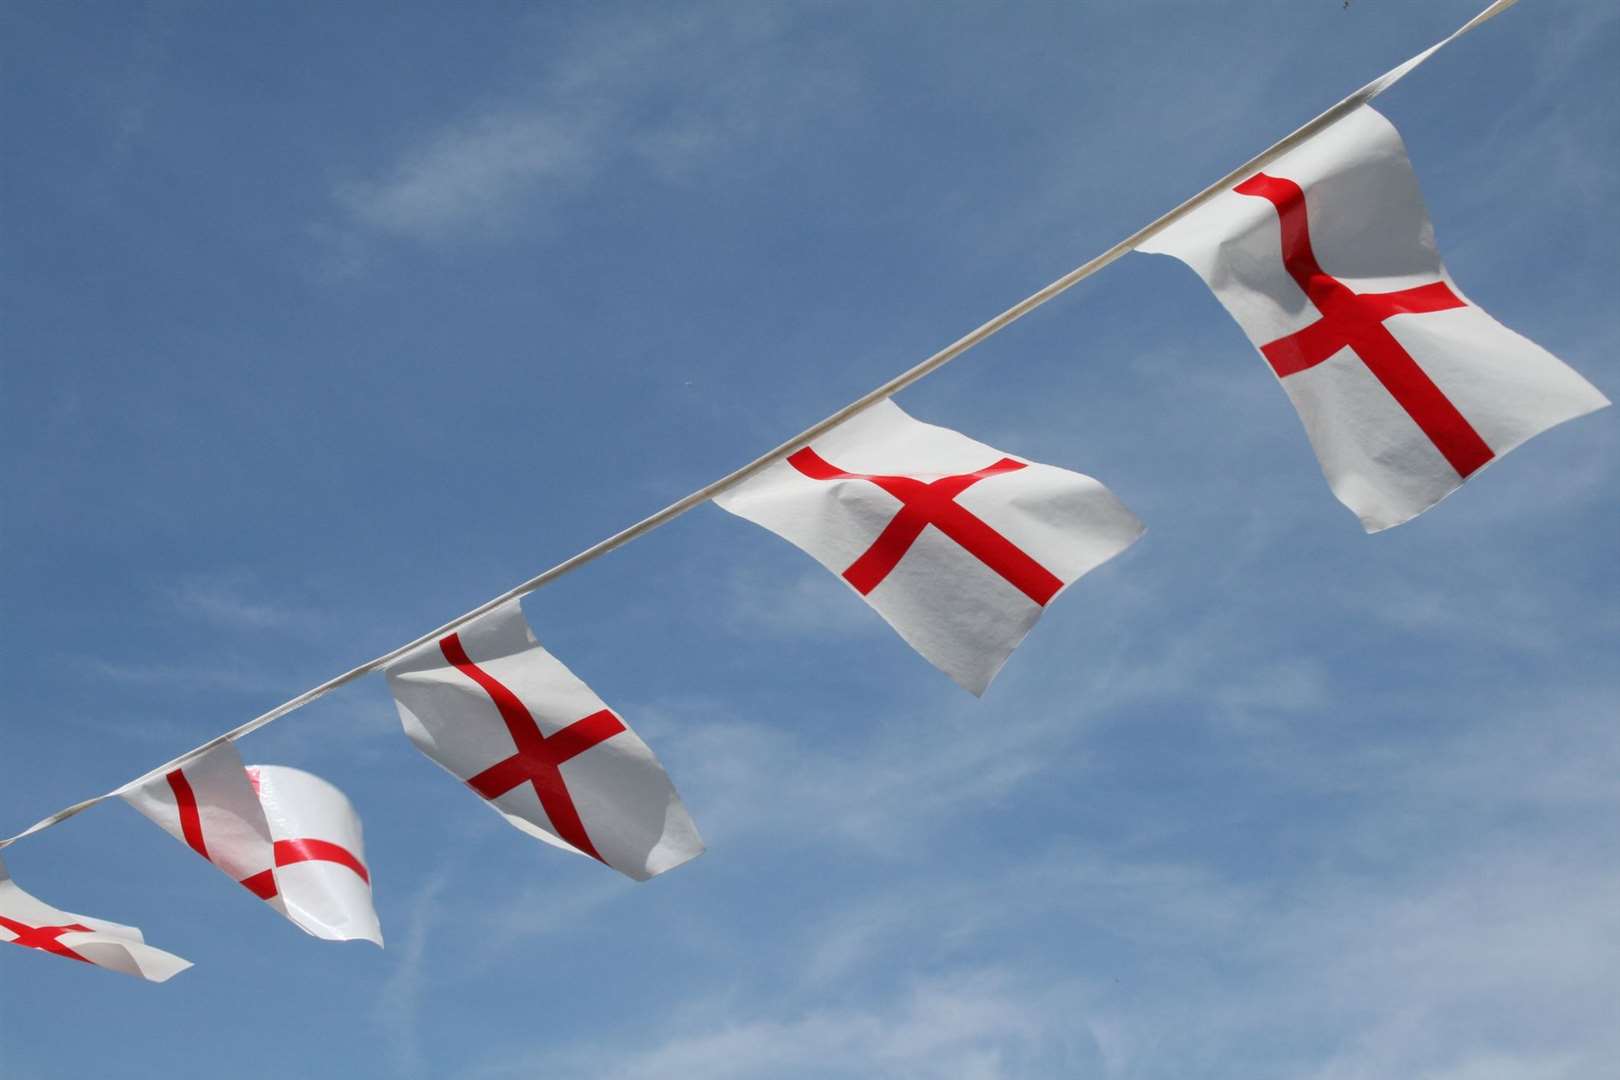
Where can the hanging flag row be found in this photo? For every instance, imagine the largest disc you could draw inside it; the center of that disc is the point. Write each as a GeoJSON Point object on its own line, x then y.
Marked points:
{"type": "Point", "coordinates": [490, 706]}
{"type": "Point", "coordinates": [1326, 259]}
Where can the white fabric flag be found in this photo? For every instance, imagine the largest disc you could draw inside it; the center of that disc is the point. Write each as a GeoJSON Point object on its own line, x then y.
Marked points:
{"type": "Point", "coordinates": [209, 805]}
{"type": "Point", "coordinates": [321, 870]}
{"type": "Point", "coordinates": [499, 712]}
{"type": "Point", "coordinates": [957, 545]}
{"type": "Point", "coordinates": [289, 838]}
{"type": "Point", "coordinates": [1327, 261]}
{"type": "Point", "coordinates": [30, 922]}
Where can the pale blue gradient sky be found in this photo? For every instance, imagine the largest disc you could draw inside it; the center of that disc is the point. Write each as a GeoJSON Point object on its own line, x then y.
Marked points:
{"type": "Point", "coordinates": [326, 323]}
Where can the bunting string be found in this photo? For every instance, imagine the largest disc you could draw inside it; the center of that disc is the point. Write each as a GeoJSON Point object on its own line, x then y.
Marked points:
{"type": "Point", "coordinates": [731, 480]}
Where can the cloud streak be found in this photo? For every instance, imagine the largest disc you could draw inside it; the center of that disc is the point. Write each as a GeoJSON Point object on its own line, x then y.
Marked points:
{"type": "Point", "coordinates": [398, 1007]}
{"type": "Point", "coordinates": [971, 1025]}
{"type": "Point", "coordinates": [228, 602]}
{"type": "Point", "coordinates": [601, 103]}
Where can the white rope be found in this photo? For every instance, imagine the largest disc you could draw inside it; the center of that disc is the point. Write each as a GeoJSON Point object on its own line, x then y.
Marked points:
{"type": "Point", "coordinates": [893, 386]}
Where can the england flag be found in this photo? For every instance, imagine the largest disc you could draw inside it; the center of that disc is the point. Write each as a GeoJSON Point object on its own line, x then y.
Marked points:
{"type": "Point", "coordinates": [290, 838]}
{"type": "Point", "coordinates": [321, 874]}
{"type": "Point", "coordinates": [500, 713]}
{"type": "Point", "coordinates": [30, 922]}
{"type": "Point", "coordinates": [1327, 261]}
{"type": "Point", "coordinates": [959, 546]}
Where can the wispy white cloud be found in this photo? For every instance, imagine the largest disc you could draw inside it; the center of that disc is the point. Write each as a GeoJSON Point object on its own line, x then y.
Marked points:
{"type": "Point", "coordinates": [967, 1025]}
{"type": "Point", "coordinates": [1457, 875]}
{"type": "Point", "coordinates": [234, 677]}
{"type": "Point", "coordinates": [601, 102]}
{"type": "Point", "coordinates": [868, 786]}
{"type": "Point", "coordinates": [1432, 976]}
{"type": "Point", "coordinates": [1156, 904]}
{"type": "Point", "coordinates": [398, 1007]}
{"type": "Point", "coordinates": [536, 911]}
{"type": "Point", "coordinates": [1342, 976]}
{"type": "Point", "coordinates": [232, 602]}
{"type": "Point", "coordinates": [809, 604]}
{"type": "Point", "coordinates": [359, 723]}
{"type": "Point", "coordinates": [1570, 38]}
{"type": "Point", "coordinates": [473, 175]}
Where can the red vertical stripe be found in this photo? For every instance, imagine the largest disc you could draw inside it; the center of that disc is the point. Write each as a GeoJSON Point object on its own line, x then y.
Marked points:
{"type": "Point", "coordinates": [190, 817]}
{"type": "Point", "coordinates": [1356, 321]}
{"type": "Point", "coordinates": [537, 758]}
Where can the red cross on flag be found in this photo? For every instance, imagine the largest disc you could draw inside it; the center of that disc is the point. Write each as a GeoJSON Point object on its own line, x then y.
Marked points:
{"type": "Point", "coordinates": [290, 838]}
{"type": "Point", "coordinates": [506, 717]}
{"type": "Point", "coordinates": [30, 922]}
{"type": "Point", "coordinates": [320, 872]}
{"type": "Point", "coordinates": [957, 545]}
{"type": "Point", "coordinates": [1327, 260]}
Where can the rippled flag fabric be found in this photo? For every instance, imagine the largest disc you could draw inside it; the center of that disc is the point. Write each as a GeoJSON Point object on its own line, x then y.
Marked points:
{"type": "Point", "coordinates": [321, 869]}
{"type": "Point", "coordinates": [502, 714]}
{"type": "Point", "coordinates": [28, 921]}
{"type": "Point", "coordinates": [288, 837]}
{"type": "Point", "coordinates": [1327, 260]}
{"type": "Point", "coordinates": [957, 545]}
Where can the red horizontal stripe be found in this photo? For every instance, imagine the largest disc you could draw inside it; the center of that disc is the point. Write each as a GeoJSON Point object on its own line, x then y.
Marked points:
{"type": "Point", "coordinates": [297, 851]}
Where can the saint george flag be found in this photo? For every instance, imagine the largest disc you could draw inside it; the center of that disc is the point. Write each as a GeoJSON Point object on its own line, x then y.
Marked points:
{"type": "Point", "coordinates": [957, 545]}
{"type": "Point", "coordinates": [320, 873]}
{"type": "Point", "coordinates": [30, 922]}
{"type": "Point", "coordinates": [1327, 261]}
{"type": "Point", "coordinates": [290, 838]}
{"type": "Point", "coordinates": [502, 714]}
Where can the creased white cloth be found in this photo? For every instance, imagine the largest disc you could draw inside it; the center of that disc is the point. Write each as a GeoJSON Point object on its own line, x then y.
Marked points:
{"type": "Point", "coordinates": [1327, 260]}
{"type": "Point", "coordinates": [289, 837]}
{"type": "Point", "coordinates": [29, 921]}
{"type": "Point", "coordinates": [959, 546]}
{"type": "Point", "coordinates": [321, 867]}
{"type": "Point", "coordinates": [496, 710]}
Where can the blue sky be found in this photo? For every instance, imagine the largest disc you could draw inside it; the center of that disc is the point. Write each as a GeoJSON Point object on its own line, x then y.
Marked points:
{"type": "Point", "coordinates": [324, 324]}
